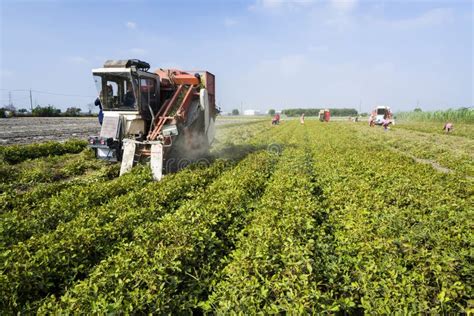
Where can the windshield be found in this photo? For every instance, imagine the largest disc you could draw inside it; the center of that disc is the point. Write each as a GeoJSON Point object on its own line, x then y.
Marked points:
{"type": "Point", "coordinates": [381, 111]}
{"type": "Point", "coordinates": [116, 91]}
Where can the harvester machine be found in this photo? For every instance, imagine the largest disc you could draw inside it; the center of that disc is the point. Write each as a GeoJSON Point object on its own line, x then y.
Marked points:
{"type": "Point", "coordinates": [163, 117]}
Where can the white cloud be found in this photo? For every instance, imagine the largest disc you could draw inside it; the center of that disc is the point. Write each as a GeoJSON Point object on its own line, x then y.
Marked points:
{"type": "Point", "coordinates": [228, 22]}
{"type": "Point", "coordinates": [344, 5]}
{"type": "Point", "coordinates": [279, 4]}
{"type": "Point", "coordinates": [131, 25]}
{"type": "Point", "coordinates": [432, 17]}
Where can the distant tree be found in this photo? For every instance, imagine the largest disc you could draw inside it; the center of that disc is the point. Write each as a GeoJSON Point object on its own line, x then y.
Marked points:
{"type": "Point", "coordinates": [271, 112]}
{"type": "Point", "coordinates": [315, 112]}
{"type": "Point", "coordinates": [10, 108]}
{"type": "Point", "coordinates": [46, 111]}
{"type": "Point", "coordinates": [417, 110]}
{"type": "Point", "coordinates": [235, 112]}
{"type": "Point", "coordinates": [72, 111]}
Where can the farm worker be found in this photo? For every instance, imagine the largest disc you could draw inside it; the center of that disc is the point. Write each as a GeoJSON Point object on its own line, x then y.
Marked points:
{"type": "Point", "coordinates": [276, 119]}
{"type": "Point", "coordinates": [129, 100]}
{"type": "Point", "coordinates": [448, 127]}
{"type": "Point", "coordinates": [302, 118]}
{"type": "Point", "coordinates": [386, 123]}
{"type": "Point", "coordinates": [101, 113]}
{"type": "Point", "coordinates": [371, 120]}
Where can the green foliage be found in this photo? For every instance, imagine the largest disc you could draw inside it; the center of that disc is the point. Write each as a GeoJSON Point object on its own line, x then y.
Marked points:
{"type": "Point", "coordinates": [235, 112]}
{"type": "Point", "coordinates": [46, 111]}
{"type": "Point", "coordinates": [22, 223]}
{"type": "Point", "coordinates": [56, 259]}
{"type": "Point", "coordinates": [315, 112]}
{"type": "Point", "coordinates": [461, 115]}
{"type": "Point", "coordinates": [275, 274]}
{"type": "Point", "coordinates": [17, 153]}
{"type": "Point", "coordinates": [172, 257]}
{"type": "Point", "coordinates": [271, 112]}
{"type": "Point", "coordinates": [72, 111]}
{"type": "Point", "coordinates": [344, 220]}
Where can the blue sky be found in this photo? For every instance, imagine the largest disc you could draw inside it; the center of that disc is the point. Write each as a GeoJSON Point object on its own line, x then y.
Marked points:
{"type": "Point", "coordinates": [264, 53]}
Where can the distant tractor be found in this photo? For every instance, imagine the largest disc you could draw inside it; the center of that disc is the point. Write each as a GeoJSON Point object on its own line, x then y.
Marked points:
{"type": "Point", "coordinates": [381, 114]}
{"type": "Point", "coordinates": [324, 115]}
{"type": "Point", "coordinates": [158, 117]}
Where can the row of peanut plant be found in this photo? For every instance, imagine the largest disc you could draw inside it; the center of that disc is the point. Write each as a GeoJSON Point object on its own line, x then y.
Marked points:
{"type": "Point", "coordinates": [13, 154]}
{"type": "Point", "coordinates": [454, 153]}
{"type": "Point", "coordinates": [47, 263]}
{"type": "Point", "coordinates": [168, 258]}
{"type": "Point", "coordinates": [271, 269]}
{"type": "Point", "coordinates": [22, 223]}
{"type": "Point", "coordinates": [315, 219]}
{"type": "Point", "coordinates": [400, 229]}
{"type": "Point", "coordinates": [30, 173]}
{"type": "Point", "coordinates": [35, 196]}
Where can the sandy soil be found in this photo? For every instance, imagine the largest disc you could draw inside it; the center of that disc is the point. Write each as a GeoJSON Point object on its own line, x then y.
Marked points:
{"type": "Point", "coordinates": [27, 130]}
{"type": "Point", "coordinates": [39, 129]}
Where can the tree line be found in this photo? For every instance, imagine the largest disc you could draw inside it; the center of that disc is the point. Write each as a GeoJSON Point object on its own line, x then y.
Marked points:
{"type": "Point", "coordinates": [315, 112]}
{"type": "Point", "coordinates": [41, 111]}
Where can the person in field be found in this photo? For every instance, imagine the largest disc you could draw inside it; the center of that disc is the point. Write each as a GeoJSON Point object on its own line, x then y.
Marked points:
{"type": "Point", "coordinates": [302, 118]}
{"type": "Point", "coordinates": [371, 120]}
{"type": "Point", "coordinates": [101, 113]}
{"type": "Point", "coordinates": [276, 119]}
{"type": "Point", "coordinates": [386, 123]}
{"type": "Point", "coordinates": [448, 127]}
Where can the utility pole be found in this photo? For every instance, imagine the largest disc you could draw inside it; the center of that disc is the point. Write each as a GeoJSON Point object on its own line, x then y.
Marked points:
{"type": "Point", "coordinates": [10, 98]}
{"type": "Point", "coordinates": [241, 108]}
{"type": "Point", "coordinates": [31, 101]}
{"type": "Point", "coordinates": [360, 107]}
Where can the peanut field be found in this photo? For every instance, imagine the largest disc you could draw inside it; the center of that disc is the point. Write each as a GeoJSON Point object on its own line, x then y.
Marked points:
{"type": "Point", "coordinates": [317, 218]}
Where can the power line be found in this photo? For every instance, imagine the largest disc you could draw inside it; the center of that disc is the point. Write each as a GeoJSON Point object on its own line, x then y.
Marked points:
{"type": "Point", "coordinates": [51, 93]}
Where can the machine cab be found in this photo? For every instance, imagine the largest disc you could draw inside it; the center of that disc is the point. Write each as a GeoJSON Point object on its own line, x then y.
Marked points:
{"type": "Point", "coordinates": [127, 86]}
{"type": "Point", "coordinates": [130, 97]}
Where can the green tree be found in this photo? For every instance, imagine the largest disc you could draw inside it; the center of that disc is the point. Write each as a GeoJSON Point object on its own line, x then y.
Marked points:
{"type": "Point", "coordinates": [72, 111]}
{"type": "Point", "coordinates": [46, 111]}
{"type": "Point", "coordinates": [417, 110]}
{"type": "Point", "coordinates": [235, 112]}
{"type": "Point", "coordinates": [271, 112]}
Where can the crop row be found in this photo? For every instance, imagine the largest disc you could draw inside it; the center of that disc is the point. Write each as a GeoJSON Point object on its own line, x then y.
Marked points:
{"type": "Point", "coordinates": [401, 234]}
{"type": "Point", "coordinates": [28, 174]}
{"type": "Point", "coordinates": [455, 153]}
{"type": "Point", "coordinates": [46, 264]}
{"type": "Point", "coordinates": [17, 153]}
{"type": "Point", "coordinates": [22, 223]}
{"type": "Point", "coordinates": [333, 224]}
{"type": "Point", "coordinates": [271, 269]}
{"type": "Point", "coordinates": [35, 196]}
{"type": "Point", "coordinates": [462, 130]}
{"type": "Point", "coordinates": [171, 258]}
